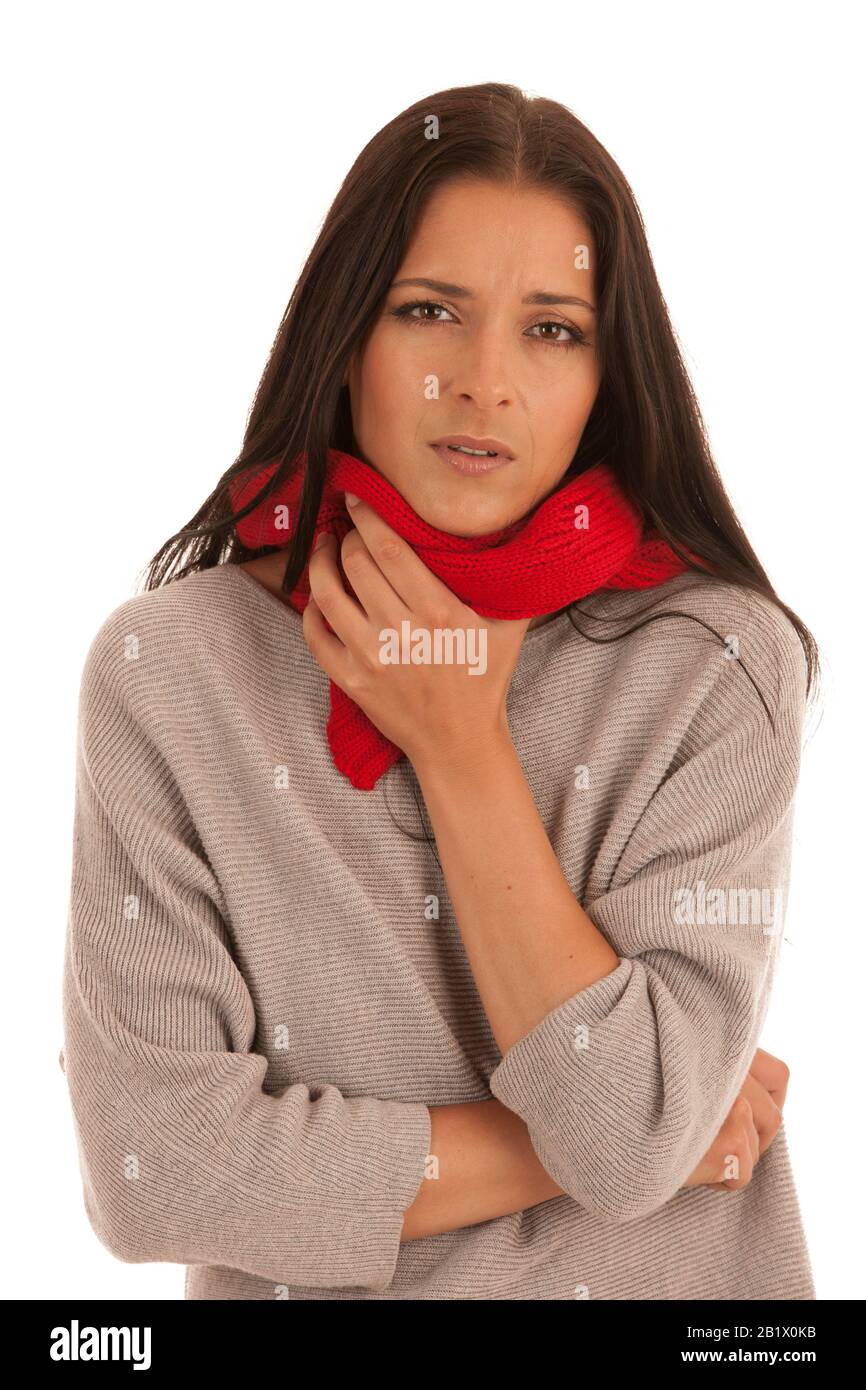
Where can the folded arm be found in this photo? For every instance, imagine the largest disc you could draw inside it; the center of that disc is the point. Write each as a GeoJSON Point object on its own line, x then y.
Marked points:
{"type": "Point", "coordinates": [627, 1027]}
{"type": "Point", "coordinates": [185, 1156]}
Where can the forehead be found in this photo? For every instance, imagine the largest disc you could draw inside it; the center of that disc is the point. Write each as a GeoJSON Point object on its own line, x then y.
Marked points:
{"type": "Point", "coordinates": [483, 234]}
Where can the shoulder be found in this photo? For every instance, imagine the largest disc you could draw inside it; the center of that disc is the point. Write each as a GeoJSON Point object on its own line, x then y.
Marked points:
{"type": "Point", "coordinates": [149, 649]}
{"type": "Point", "coordinates": [691, 633]}
{"type": "Point", "coordinates": [713, 695]}
{"type": "Point", "coordinates": [178, 604]}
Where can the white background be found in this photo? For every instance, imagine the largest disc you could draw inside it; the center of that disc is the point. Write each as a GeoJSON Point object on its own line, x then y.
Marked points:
{"type": "Point", "coordinates": [165, 170]}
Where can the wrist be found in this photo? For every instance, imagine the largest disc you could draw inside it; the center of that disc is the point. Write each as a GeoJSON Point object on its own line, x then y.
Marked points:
{"type": "Point", "coordinates": [454, 758]}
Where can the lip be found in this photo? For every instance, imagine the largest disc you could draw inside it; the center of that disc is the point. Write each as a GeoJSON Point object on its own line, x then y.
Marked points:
{"type": "Point", "coordinates": [464, 463]}
{"type": "Point", "coordinates": [494, 445]}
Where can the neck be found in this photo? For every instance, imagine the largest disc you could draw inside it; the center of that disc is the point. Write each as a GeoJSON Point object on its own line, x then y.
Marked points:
{"type": "Point", "coordinates": [268, 570]}
{"type": "Point", "coordinates": [545, 618]}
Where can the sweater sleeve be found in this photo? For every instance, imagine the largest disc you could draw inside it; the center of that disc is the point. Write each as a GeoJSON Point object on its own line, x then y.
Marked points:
{"type": "Point", "coordinates": [184, 1156]}
{"type": "Point", "coordinates": [625, 1086]}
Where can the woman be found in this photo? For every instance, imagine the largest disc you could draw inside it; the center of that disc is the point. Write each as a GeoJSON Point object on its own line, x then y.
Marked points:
{"type": "Point", "coordinates": [385, 982]}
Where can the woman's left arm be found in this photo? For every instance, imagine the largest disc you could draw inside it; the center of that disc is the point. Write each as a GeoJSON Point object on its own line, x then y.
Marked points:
{"type": "Point", "coordinates": [528, 941]}
{"type": "Point", "coordinates": [623, 1063]}
{"type": "Point", "coordinates": [498, 862]}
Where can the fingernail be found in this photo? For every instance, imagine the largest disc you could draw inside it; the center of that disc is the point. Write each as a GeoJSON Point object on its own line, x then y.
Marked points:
{"type": "Point", "coordinates": [351, 499]}
{"type": "Point", "coordinates": [320, 539]}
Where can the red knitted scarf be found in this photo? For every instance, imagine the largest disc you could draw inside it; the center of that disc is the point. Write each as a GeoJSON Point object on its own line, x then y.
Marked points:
{"type": "Point", "coordinates": [585, 536]}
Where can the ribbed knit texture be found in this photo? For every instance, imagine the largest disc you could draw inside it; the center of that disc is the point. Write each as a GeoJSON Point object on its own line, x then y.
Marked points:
{"type": "Point", "coordinates": [584, 535]}
{"type": "Point", "coordinates": [260, 1004]}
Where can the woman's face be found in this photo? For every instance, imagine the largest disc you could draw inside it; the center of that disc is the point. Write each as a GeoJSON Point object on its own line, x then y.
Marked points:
{"type": "Point", "coordinates": [478, 355]}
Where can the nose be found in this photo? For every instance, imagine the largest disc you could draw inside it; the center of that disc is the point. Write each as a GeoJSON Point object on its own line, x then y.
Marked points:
{"type": "Point", "coordinates": [481, 373]}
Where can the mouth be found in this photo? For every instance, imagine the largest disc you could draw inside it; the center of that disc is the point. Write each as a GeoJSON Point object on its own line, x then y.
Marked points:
{"type": "Point", "coordinates": [472, 456]}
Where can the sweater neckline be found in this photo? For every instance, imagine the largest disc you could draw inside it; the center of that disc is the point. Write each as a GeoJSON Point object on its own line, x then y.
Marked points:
{"type": "Point", "coordinates": [292, 617]}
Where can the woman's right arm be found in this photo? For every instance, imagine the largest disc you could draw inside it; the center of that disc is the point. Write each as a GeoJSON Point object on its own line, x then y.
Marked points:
{"type": "Point", "coordinates": [184, 1155]}
{"type": "Point", "coordinates": [487, 1166]}
{"type": "Point", "coordinates": [482, 1165]}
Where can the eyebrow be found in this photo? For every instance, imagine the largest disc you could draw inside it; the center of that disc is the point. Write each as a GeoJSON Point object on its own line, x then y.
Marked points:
{"type": "Point", "coordinates": [461, 292]}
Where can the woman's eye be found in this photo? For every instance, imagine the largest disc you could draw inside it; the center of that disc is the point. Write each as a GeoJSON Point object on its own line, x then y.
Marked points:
{"type": "Point", "coordinates": [406, 311]}
{"type": "Point", "coordinates": [575, 336]}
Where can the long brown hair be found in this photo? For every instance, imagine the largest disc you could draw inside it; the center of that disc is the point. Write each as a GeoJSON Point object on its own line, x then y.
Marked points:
{"type": "Point", "coordinates": [645, 422]}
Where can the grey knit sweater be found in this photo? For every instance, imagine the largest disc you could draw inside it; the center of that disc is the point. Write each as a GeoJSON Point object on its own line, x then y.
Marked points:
{"type": "Point", "coordinates": [265, 985]}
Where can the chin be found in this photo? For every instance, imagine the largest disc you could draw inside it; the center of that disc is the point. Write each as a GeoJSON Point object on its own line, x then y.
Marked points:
{"type": "Point", "coordinates": [447, 510]}
{"type": "Point", "coordinates": [456, 524]}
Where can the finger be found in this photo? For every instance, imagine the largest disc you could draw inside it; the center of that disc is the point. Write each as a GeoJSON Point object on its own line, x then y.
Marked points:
{"type": "Point", "coordinates": [409, 577]}
{"type": "Point", "coordinates": [380, 601]}
{"type": "Point", "coordinates": [772, 1073]}
{"type": "Point", "coordinates": [754, 1142]}
{"type": "Point", "coordinates": [747, 1157]}
{"type": "Point", "coordinates": [345, 616]}
{"type": "Point", "coordinates": [745, 1165]}
{"type": "Point", "coordinates": [765, 1112]}
{"type": "Point", "coordinates": [326, 648]}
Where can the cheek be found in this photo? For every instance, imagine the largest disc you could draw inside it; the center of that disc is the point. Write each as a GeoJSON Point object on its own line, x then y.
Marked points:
{"type": "Point", "coordinates": [392, 378]}
{"type": "Point", "coordinates": [565, 391]}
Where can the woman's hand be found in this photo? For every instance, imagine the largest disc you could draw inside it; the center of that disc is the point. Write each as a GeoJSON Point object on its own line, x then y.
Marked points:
{"type": "Point", "coordinates": [750, 1128]}
{"type": "Point", "coordinates": [436, 709]}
